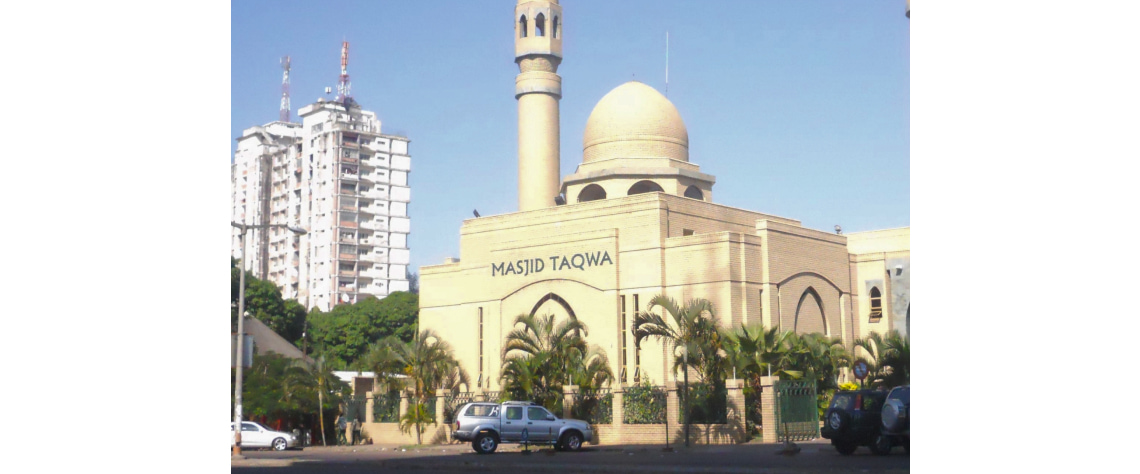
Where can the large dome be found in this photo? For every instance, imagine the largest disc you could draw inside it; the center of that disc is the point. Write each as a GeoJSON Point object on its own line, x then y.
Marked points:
{"type": "Point", "coordinates": [635, 121]}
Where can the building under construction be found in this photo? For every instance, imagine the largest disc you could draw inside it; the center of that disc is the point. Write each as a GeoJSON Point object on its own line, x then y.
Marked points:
{"type": "Point", "coordinates": [337, 176]}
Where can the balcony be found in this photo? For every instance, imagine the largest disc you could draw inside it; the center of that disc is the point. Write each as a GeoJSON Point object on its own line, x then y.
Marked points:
{"type": "Point", "coordinates": [352, 145]}
{"type": "Point", "coordinates": [377, 274]}
{"type": "Point", "coordinates": [374, 258]}
{"type": "Point", "coordinates": [348, 224]}
{"type": "Point", "coordinates": [350, 176]}
{"type": "Point", "coordinates": [356, 126]}
{"type": "Point", "coordinates": [347, 256]}
{"type": "Point", "coordinates": [381, 226]}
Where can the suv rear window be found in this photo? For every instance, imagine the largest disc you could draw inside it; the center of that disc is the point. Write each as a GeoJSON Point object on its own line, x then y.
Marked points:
{"type": "Point", "coordinates": [874, 401]}
{"type": "Point", "coordinates": [482, 410]}
{"type": "Point", "coordinates": [843, 401]}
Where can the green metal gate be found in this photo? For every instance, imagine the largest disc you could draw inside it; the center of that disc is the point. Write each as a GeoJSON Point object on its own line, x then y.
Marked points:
{"type": "Point", "coordinates": [797, 417]}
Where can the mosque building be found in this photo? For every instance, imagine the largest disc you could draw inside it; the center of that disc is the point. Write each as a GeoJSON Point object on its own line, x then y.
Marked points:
{"type": "Point", "coordinates": [635, 220]}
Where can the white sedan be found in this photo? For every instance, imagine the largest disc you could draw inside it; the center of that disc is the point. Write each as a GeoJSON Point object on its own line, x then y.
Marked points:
{"type": "Point", "coordinates": [254, 435]}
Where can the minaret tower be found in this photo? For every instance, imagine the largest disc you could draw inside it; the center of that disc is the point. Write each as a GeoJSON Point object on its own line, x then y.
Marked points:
{"type": "Point", "coordinates": [538, 88]}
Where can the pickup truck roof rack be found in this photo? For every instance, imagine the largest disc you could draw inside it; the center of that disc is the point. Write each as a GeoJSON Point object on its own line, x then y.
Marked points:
{"type": "Point", "coordinates": [518, 403]}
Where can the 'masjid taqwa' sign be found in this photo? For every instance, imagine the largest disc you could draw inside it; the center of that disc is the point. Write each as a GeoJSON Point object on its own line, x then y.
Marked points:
{"type": "Point", "coordinates": [578, 261]}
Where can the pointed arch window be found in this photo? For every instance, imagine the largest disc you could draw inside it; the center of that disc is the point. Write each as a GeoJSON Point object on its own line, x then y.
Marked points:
{"type": "Point", "coordinates": [554, 28]}
{"type": "Point", "coordinates": [876, 304]}
{"type": "Point", "coordinates": [540, 25]}
{"type": "Point", "coordinates": [522, 26]}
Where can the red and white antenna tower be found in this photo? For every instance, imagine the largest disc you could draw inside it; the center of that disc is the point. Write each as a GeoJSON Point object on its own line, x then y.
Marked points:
{"type": "Point", "coordinates": [344, 88]}
{"type": "Point", "coordinates": [285, 107]}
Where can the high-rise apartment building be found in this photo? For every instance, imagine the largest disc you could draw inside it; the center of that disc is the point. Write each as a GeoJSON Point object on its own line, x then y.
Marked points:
{"type": "Point", "coordinates": [337, 176]}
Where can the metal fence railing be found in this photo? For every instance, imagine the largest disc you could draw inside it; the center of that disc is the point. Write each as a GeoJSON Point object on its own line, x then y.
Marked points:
{"type": "Point", "coordinates": [386, 407]}
{"type": "Point", "coordinates": [709, 402]}
{"type": "Point", "coordinates": [644, 404]}
{"type": "Point", "coordinates": [594, 406]}
{"type": "Point", "coordinates": [452, 402]}
{"type": "Point", "coordinates": [797, 410]}
{"type": "Point", "coordinates": [354, 408]}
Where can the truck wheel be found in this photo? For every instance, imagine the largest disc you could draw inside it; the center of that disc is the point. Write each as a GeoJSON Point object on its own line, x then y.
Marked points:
{"type": "Point", "coordinates": [881, 445]}
{"type": "Point", "coordinates": [485, 443]}
{"type": "Point", "coordinates": [571, 441]}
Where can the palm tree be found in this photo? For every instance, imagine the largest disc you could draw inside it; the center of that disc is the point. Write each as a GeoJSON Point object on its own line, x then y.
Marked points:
{"type": "Point", "coordinates": [540, 356]}
{"type": "Point", "coordinates": [318, 376]}
{"type": "Point", "coordinates": [591, 371]}
{"type": "Point", "coordinates": [428, 362]}
{"type": "Point", "coordinates": [693, 336]}
{"type": "Point", "coordinates": [756, 352]}
{"type": "Point", "coordinates": [820, 357]}
{"type": "Point", "coordinates": [895, 357]}
{"type": "Point", "coordinates": [384, 360]}
{"type": "Point", "coordinates": [888, 360]}
{"type": "Point", "coordinates": [520, 377]}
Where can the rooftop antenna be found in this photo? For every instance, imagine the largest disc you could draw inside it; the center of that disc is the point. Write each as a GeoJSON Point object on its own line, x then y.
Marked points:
{"type": "Point", "coordinates": [343, 88]}
{"type": "Point", "coordinates": [285, 107]}
{"type": "Point", "coordinates": [666, 63]}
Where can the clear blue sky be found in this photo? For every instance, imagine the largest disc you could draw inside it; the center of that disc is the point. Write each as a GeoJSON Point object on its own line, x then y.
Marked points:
{"type": "Point", "coordinates": [800, 109]}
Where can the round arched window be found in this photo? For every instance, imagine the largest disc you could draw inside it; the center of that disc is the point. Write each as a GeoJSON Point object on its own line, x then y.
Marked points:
{"type": "Point", "coordinates": [695, 193]}
{"type": "Point", "coordinates": [592, 192]}
{"type": "Point", "coordinates": [645, 187]}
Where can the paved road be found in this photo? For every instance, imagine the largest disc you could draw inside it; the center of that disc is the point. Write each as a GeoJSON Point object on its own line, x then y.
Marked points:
{"type": "Point", "coordinates": [814, 457]}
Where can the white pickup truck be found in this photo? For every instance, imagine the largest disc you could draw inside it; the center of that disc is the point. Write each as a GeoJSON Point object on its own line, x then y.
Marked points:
{"type": "Point", "coordinates": [486, 425]}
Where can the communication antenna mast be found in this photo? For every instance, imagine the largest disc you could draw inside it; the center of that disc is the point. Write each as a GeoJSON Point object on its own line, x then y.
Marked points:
{"type": "Point", "coordinates": [666, 63]}
{"type": "Point", "coordinates": [285, 107]}
{"type": "Point", "coordinates": [343, 88]}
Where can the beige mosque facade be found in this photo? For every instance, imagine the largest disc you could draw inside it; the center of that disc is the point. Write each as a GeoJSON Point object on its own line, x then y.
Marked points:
{"type": "Point", "coordinates": [637, 219]}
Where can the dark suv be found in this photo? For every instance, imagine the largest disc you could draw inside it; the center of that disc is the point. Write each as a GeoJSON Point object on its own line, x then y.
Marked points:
{"type": "Point", "coordinates": [854, 419]}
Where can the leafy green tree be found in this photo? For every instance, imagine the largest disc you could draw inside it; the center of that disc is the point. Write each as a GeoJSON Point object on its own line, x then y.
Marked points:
{"type": "Point", "coordinates": [691, 330]}
{"type": "Point", "coordinates": [346, 333]}
{"type": "Point", "coordinates": [264, 389]}
{"type": "Point", "coordinates": [263, 301]}
{"type": "Point", "coordinates": [395, 315]}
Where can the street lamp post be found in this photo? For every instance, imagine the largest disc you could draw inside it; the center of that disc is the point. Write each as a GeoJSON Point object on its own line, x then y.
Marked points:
{"type": "Point", "coordinates": [241, 319]}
